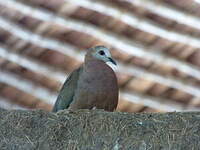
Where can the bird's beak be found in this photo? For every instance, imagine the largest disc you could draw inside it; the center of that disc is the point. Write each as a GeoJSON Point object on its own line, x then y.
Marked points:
{"type": "Point", "coordinates": [112, 61]}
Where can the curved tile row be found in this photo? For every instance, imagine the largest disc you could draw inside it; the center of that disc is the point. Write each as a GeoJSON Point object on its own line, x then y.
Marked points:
{"type": "Point", "coordinates": [60, 32]}
{"type": "Point", "coordinates": [121, 27]}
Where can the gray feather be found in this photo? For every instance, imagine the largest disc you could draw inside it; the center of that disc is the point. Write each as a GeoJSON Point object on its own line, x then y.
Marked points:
{"type": "Point", "coordinates": [67, 92]}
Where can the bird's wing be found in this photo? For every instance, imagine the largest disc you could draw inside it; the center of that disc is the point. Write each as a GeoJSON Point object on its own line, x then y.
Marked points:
{"type": "Point", "coordinates": [67, 91]}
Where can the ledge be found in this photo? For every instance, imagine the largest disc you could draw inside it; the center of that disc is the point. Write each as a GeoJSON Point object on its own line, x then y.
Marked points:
{"type": "Point", "coordinates": [98, 130]}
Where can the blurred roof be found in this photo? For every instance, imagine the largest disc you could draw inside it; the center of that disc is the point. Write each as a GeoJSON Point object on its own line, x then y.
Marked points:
{"type": "Point", "coordinates": [156, 44]}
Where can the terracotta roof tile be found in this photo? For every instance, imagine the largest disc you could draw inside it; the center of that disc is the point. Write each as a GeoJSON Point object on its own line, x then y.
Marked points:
{"type": "Point", "coordinates": [40, 40]}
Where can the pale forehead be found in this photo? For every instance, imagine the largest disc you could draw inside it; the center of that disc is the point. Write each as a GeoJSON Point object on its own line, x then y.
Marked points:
{"type": "Point", "coordinates": [102, 48]}
{"type": "Point", "coordinates": [97, 49]}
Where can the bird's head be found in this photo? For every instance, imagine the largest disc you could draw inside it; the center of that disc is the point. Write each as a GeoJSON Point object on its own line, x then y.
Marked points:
{"type": "Point", "coordinates": [100, 53]}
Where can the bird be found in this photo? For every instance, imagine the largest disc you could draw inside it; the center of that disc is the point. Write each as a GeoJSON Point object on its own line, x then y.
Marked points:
{"type": "Point", "coordinates": [91, 86]}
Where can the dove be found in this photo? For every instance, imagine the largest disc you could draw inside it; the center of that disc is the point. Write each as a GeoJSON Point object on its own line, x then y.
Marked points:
{"type": "Point", "coordinates": [92, 86]}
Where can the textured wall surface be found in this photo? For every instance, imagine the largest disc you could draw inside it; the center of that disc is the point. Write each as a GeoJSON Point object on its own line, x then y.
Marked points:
{"type": "Point", "coordinates": [97, 130]}
{"type": "Point", "coordinates": [156, 44]}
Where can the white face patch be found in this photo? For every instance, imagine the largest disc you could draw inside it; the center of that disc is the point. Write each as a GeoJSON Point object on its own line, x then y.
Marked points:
{"type": "Point", "coordinates": [114, 67]}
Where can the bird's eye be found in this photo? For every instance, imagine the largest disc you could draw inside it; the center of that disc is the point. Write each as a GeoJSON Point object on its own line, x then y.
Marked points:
{"type": "Point", "coordinates": [101, 52]}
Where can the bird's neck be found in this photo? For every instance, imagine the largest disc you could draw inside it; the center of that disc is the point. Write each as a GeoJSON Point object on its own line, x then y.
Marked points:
{"type": "Point", "coordinates": [91, 60]}
{"type": "Point", "coordinates": [97, 66]}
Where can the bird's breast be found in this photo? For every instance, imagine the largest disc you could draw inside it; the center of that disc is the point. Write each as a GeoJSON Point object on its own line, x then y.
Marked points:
{"type": "Point", "coordinates": [97, 87]}
{"type": "Point", "coordinates": [99, 81]}
{"type": "Point", "coordinates": [99, 78]}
